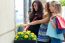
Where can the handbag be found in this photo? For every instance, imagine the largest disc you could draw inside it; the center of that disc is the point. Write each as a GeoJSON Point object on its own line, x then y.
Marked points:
{"type": "Point", "coordinates": [58, 25]}
{"type": "Point", "coordinates": [58, 30]}
{"type": "Point", "coordinates": [61, 22]}
{"type": "Point", "coordinates": [52, 32]}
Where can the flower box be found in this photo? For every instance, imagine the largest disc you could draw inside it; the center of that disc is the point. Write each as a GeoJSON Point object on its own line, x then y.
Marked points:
{"type": "Point", "coordinates": [25, 37]}
{"type": "Point", "coordinates": [24, 41]}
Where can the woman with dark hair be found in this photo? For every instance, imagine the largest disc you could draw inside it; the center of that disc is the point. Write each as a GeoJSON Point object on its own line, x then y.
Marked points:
{"type": "Point", "coordinates": [37, 18]}
{"type": "Point", "coordinates": [36, 14]}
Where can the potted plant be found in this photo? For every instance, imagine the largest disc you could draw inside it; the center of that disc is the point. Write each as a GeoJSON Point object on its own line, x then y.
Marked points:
{"type": "Point", "coordinates": [25, 37]}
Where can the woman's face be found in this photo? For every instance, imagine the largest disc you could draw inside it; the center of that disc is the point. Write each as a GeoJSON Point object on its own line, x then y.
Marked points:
{"type": "Point", "coordinates": [45, 7]}
{"type": "Point", "coordinates": [51, 8]}
{"type": "Point", "coordinates": [35, 6]}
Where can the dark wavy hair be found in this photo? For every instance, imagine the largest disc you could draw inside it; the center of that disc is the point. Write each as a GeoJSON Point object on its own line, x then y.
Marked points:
{"type": "Point", "coordinates": [39, 11]}
{"type": "Point", "coordinates": [47, 9]}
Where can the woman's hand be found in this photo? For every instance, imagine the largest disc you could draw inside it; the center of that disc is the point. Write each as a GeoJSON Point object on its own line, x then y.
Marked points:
{"type": "Point", "coordinates": [53, 24]}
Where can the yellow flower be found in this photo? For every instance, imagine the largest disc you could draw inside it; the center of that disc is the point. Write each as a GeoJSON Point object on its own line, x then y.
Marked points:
{"type": "Point", "coordinates": [34, 38]}
{"type": "Point", "coordinates": [17, 36]}
{"type": "Point", "coordinates": [28, 32]}
{"type": "Point", "coordinates": [20, 33]}
{"type": "Point", "coordinates": [32, 33]}
{"type": "Point", "coordinates": [26, 36]}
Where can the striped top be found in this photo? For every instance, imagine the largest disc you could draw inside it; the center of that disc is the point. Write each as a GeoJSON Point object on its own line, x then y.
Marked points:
{"type": "Point", "coordinates": [42, 33]}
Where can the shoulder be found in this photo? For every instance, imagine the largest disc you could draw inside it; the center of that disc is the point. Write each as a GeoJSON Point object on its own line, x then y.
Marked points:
{"type": "Point", "coordinates": [58, 15]}
{"type": "Point", "coordinates": [45, 15]}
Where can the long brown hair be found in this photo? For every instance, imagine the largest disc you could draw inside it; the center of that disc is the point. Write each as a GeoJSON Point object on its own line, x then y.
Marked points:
{"type": "Point", "coordinates": [39, 12]}
{"type": "Point", "coordinates": [47, 9]}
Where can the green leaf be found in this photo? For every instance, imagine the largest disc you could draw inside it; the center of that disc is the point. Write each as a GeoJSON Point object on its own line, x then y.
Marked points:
{"type": "Point", "coordinates": [62, 2]}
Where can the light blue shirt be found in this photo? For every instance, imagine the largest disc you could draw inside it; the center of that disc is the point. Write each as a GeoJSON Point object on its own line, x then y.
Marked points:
{"type": "Point", "coordinates": [51, 31]}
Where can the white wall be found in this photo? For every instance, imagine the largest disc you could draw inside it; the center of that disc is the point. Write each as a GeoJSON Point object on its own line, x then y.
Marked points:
{"type": "Point", "coordinates": [7, 20]}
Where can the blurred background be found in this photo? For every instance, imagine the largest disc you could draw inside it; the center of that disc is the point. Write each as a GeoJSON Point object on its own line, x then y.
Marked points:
{"type": "Point", "coordinates": [23, 8]}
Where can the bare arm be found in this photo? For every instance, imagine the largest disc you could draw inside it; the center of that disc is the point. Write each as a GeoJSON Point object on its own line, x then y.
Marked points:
{"type": "Point", "coordinates": [54, 25]}
{"type": "Point", "coordinates": [44, 20]}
